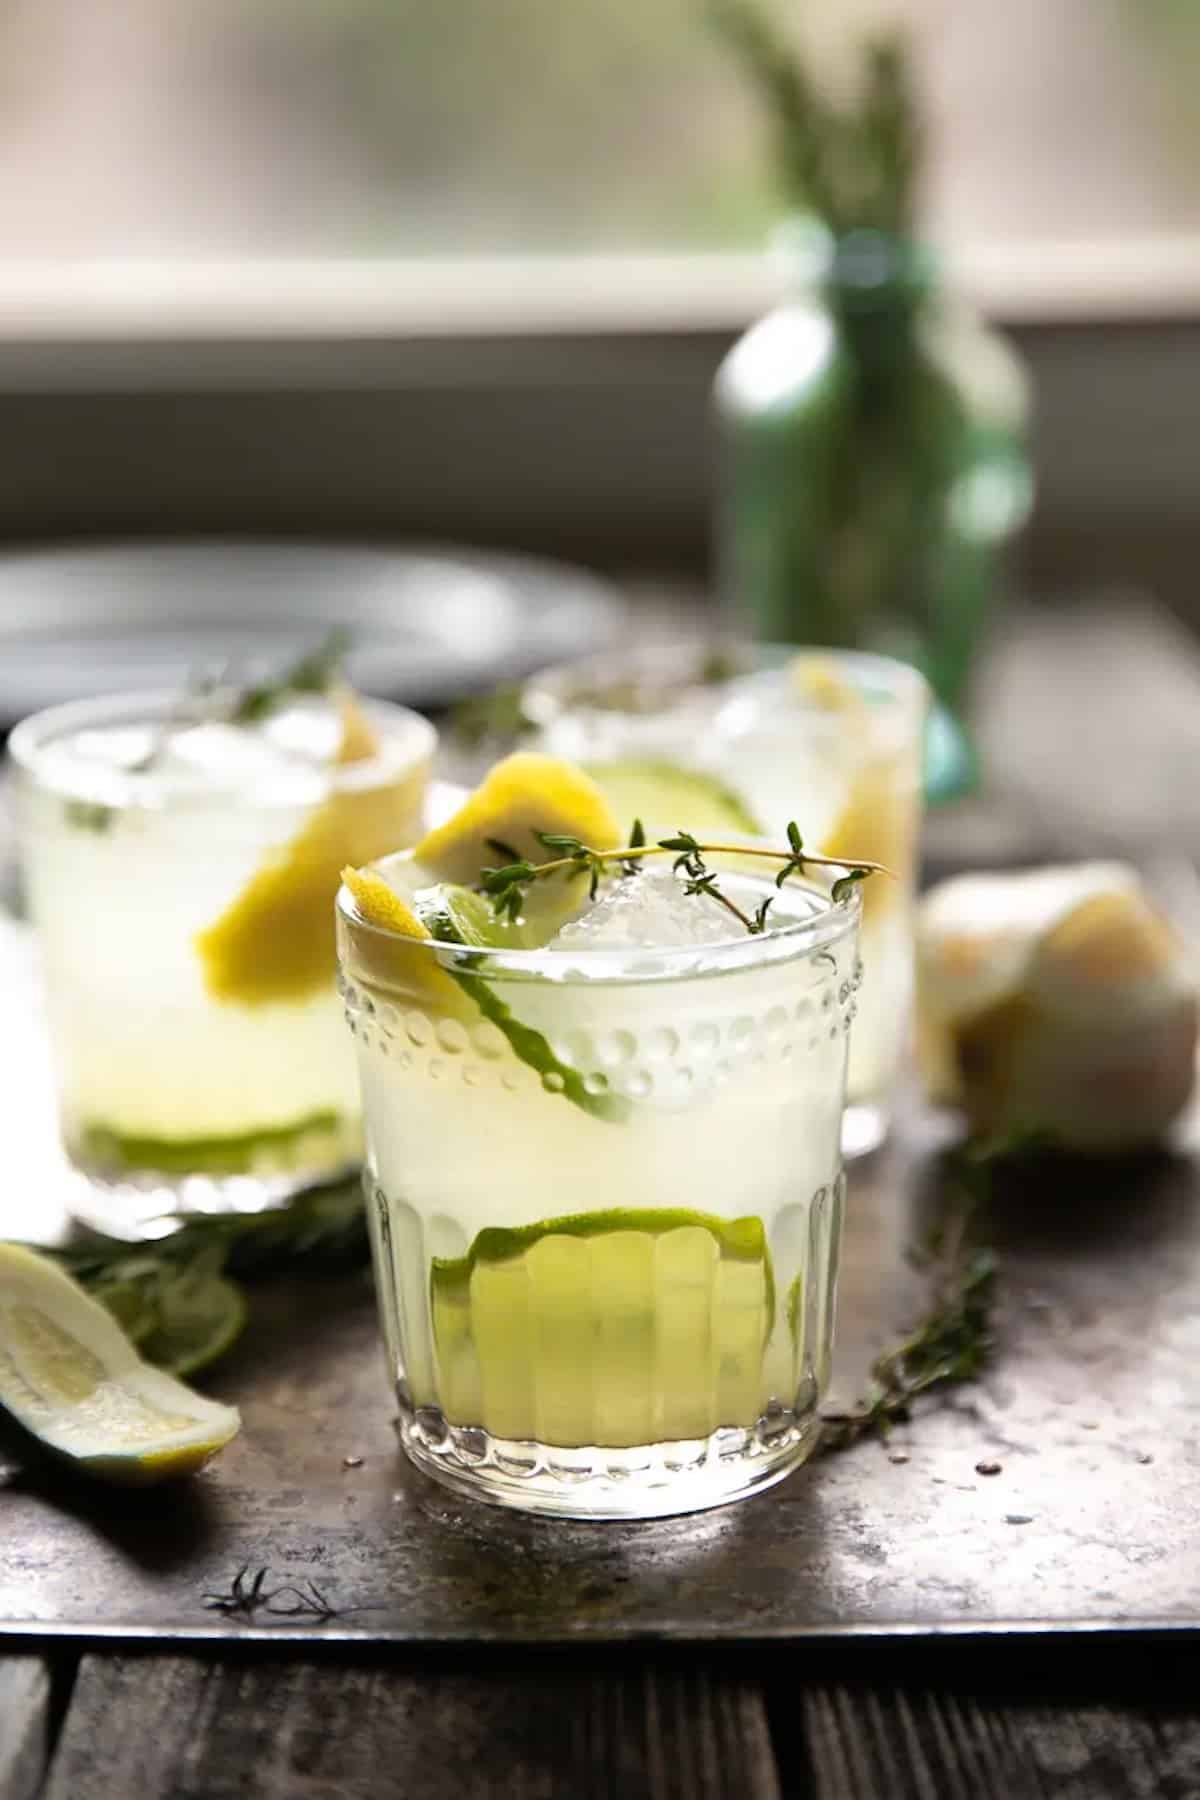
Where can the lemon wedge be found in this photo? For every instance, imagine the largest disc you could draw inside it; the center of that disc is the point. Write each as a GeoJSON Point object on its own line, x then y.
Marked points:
{"type": "Point", "coordinates": [878, 818]}
{"type": "Point", "coordinates": [70, 1376]}
{"type": "Point", "coordinates": [359, 740]}
{"type": "Point", "coordinates": [380, 904]}
{"type": "Point", "coordinates": [276, 940]}
{"type": "Point", "coordinates": [524, 794]}
{"type": "Point", "coordinates": [414, 974]}
{"type": "Point", "coordinates": [878, 822]}
{"type": "Point", "coordinates": [818, 681]}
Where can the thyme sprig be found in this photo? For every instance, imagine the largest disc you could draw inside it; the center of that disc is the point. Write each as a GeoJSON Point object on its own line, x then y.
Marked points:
{"type": "Point", "coordinates": [954, 1342]}
{"type": "Point", "coordinates": [153, 1288]}
{"type": "Point", "coordinates": [212, 697]}
{"type": "Point", "coordinates": [314, 673]}
{"type": "Point", "coordinates": [248, 1595]}
{"type": "Point", "coordinates": [506, 885]}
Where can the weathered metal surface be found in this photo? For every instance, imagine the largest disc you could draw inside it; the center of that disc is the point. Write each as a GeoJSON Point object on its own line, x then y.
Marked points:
{"type": "Point", "coordinates": [1093, 1408]}
{"type": "Point", "coordinates": [1093, 1412]}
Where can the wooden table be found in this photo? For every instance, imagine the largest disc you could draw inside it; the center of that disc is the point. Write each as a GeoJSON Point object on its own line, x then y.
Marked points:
{"type": "Point", "coordinates": [1017, 1722]}
{"type": "Point", "coordinates": [1068, 1716]}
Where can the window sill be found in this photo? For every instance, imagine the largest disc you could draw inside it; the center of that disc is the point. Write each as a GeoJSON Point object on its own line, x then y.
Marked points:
{"type": "Point", "coordinates": [159, 302]}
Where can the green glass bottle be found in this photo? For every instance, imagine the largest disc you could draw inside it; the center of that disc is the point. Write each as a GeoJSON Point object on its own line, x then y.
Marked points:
{"type": "Point", "coordinates": [875, 464]}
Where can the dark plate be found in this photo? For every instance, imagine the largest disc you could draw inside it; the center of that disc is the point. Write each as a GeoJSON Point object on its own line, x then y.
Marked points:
{"type": "Point", "coordinates": [425, 626]}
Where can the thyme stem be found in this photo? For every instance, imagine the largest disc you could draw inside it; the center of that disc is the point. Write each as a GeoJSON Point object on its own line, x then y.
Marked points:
{"type": "Point", "coordinates": [665, 847]}
{"type": "Point", "coordinates": [505, 886]}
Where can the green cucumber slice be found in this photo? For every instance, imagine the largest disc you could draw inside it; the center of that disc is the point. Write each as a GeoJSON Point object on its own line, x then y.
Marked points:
{"type": "Point", "coordinates": [615, 1328]}
{"type": "Point", "coordinates": [665, 796]}
{"type": "Point", "coordinates": [527, 1043]}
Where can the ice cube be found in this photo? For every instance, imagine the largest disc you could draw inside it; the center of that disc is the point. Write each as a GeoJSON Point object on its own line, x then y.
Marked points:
{"type": "Point", "coordinates": [225, 755]}
{"type": "Point", "coordinates": [649, 910]}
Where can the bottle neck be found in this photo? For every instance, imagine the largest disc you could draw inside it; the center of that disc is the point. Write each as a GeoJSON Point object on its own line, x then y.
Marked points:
{"type": "Point", "coordinates": [867, 279]}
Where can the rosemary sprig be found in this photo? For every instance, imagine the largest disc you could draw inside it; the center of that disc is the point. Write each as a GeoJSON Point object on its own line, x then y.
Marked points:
{"type": "Point", "coordinates": [209, 697]}
{"type": "Point", "coordinates": [506, 885]}
{"type": "Point", "coordinates": [314, 673]}
{"type": "Point", "coordinates": [954, 1341]}
{"type": "Point", "coordinates": [158, 1291]}
{"type": "Point", "coordinates": [499, 713]}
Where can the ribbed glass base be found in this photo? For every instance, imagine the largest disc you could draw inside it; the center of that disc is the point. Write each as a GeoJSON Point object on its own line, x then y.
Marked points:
{"type": "Point", "coordinates": [141, 1205]}
{"type": "Point", "coordinates": [645, 1481]}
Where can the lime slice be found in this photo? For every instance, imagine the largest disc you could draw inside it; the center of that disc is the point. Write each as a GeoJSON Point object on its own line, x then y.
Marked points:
{"type": "Point", "coordinates": [275, 1147]}
{"type": "Point", "coordinates": [473, 920]}
{"type": "Point", "coordinates": [613, 1328]}
{"type": "Point", "coordinates": [70, 1376]}
{"type": "Point", "coordinates": [667, 797]}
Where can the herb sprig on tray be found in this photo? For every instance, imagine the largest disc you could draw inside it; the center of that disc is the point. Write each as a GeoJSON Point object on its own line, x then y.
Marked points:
{"type": "Point", "coordinates": [179, 1297]}
{"type": "Point", "coordinates": [506, 885]}
{"type": "Point", "coordinates": [954, 1341]}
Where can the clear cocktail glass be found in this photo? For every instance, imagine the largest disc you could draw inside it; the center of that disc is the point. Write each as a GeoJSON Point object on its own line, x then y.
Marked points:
{"type": "Point", "coordinates": [743, 739]}
{"type": "Point", "coordinates": [181, 876]}
{"type": "Point", "coordinates": [604, 1189]}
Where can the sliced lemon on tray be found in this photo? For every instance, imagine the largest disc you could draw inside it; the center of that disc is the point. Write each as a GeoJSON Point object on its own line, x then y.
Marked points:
{"type": "Point", "coordinates": [72, 1378]}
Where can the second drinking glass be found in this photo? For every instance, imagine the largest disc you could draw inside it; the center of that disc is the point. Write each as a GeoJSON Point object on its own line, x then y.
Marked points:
{"type": "Point", "coordinates": [741, 742]}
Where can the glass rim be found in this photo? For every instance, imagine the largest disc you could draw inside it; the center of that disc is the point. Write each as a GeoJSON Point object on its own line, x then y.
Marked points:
{"type": "Point", "coordinates": [35, 737]}
{"type": "Point", "coordinates": [635, 965]}
{"type": "Point", "coordinates": [554, 692]}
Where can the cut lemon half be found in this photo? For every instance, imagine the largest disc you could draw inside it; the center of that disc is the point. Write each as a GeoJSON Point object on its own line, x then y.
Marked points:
{"type": "Point", "coordinates": [70, 1376]}
{"type": "Point", "coordinates": [275, 942]}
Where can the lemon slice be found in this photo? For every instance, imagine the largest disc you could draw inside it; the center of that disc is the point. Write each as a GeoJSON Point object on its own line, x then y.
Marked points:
{"type": "Point", "coordinates": [523, 795]}
{"type": "Point", "coordinates": [380, 904]}
{"type": "Point", "coordinates": [667, 797]}
{"type": "Point", "coordinates": [818, 681]}
{"type": "Point", "coordinates": [70, 1376]}
{"type": "Point", "coordinates": [878, 823]}
{"type": "Point", "coordinates": [413, 973]}
{"type": "Point", "coordinates": [276, 940]}
{"type": "Point", "coordinates": [360, 740]}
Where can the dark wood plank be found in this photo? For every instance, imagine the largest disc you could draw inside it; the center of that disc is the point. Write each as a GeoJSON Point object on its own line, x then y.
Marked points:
{"type": "Point", "coordinates": [183, 1728]}
{"type": "Point", "coordinates": [24, 1725]}
{"type": "Point", "coordinates": [885, 1744]}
